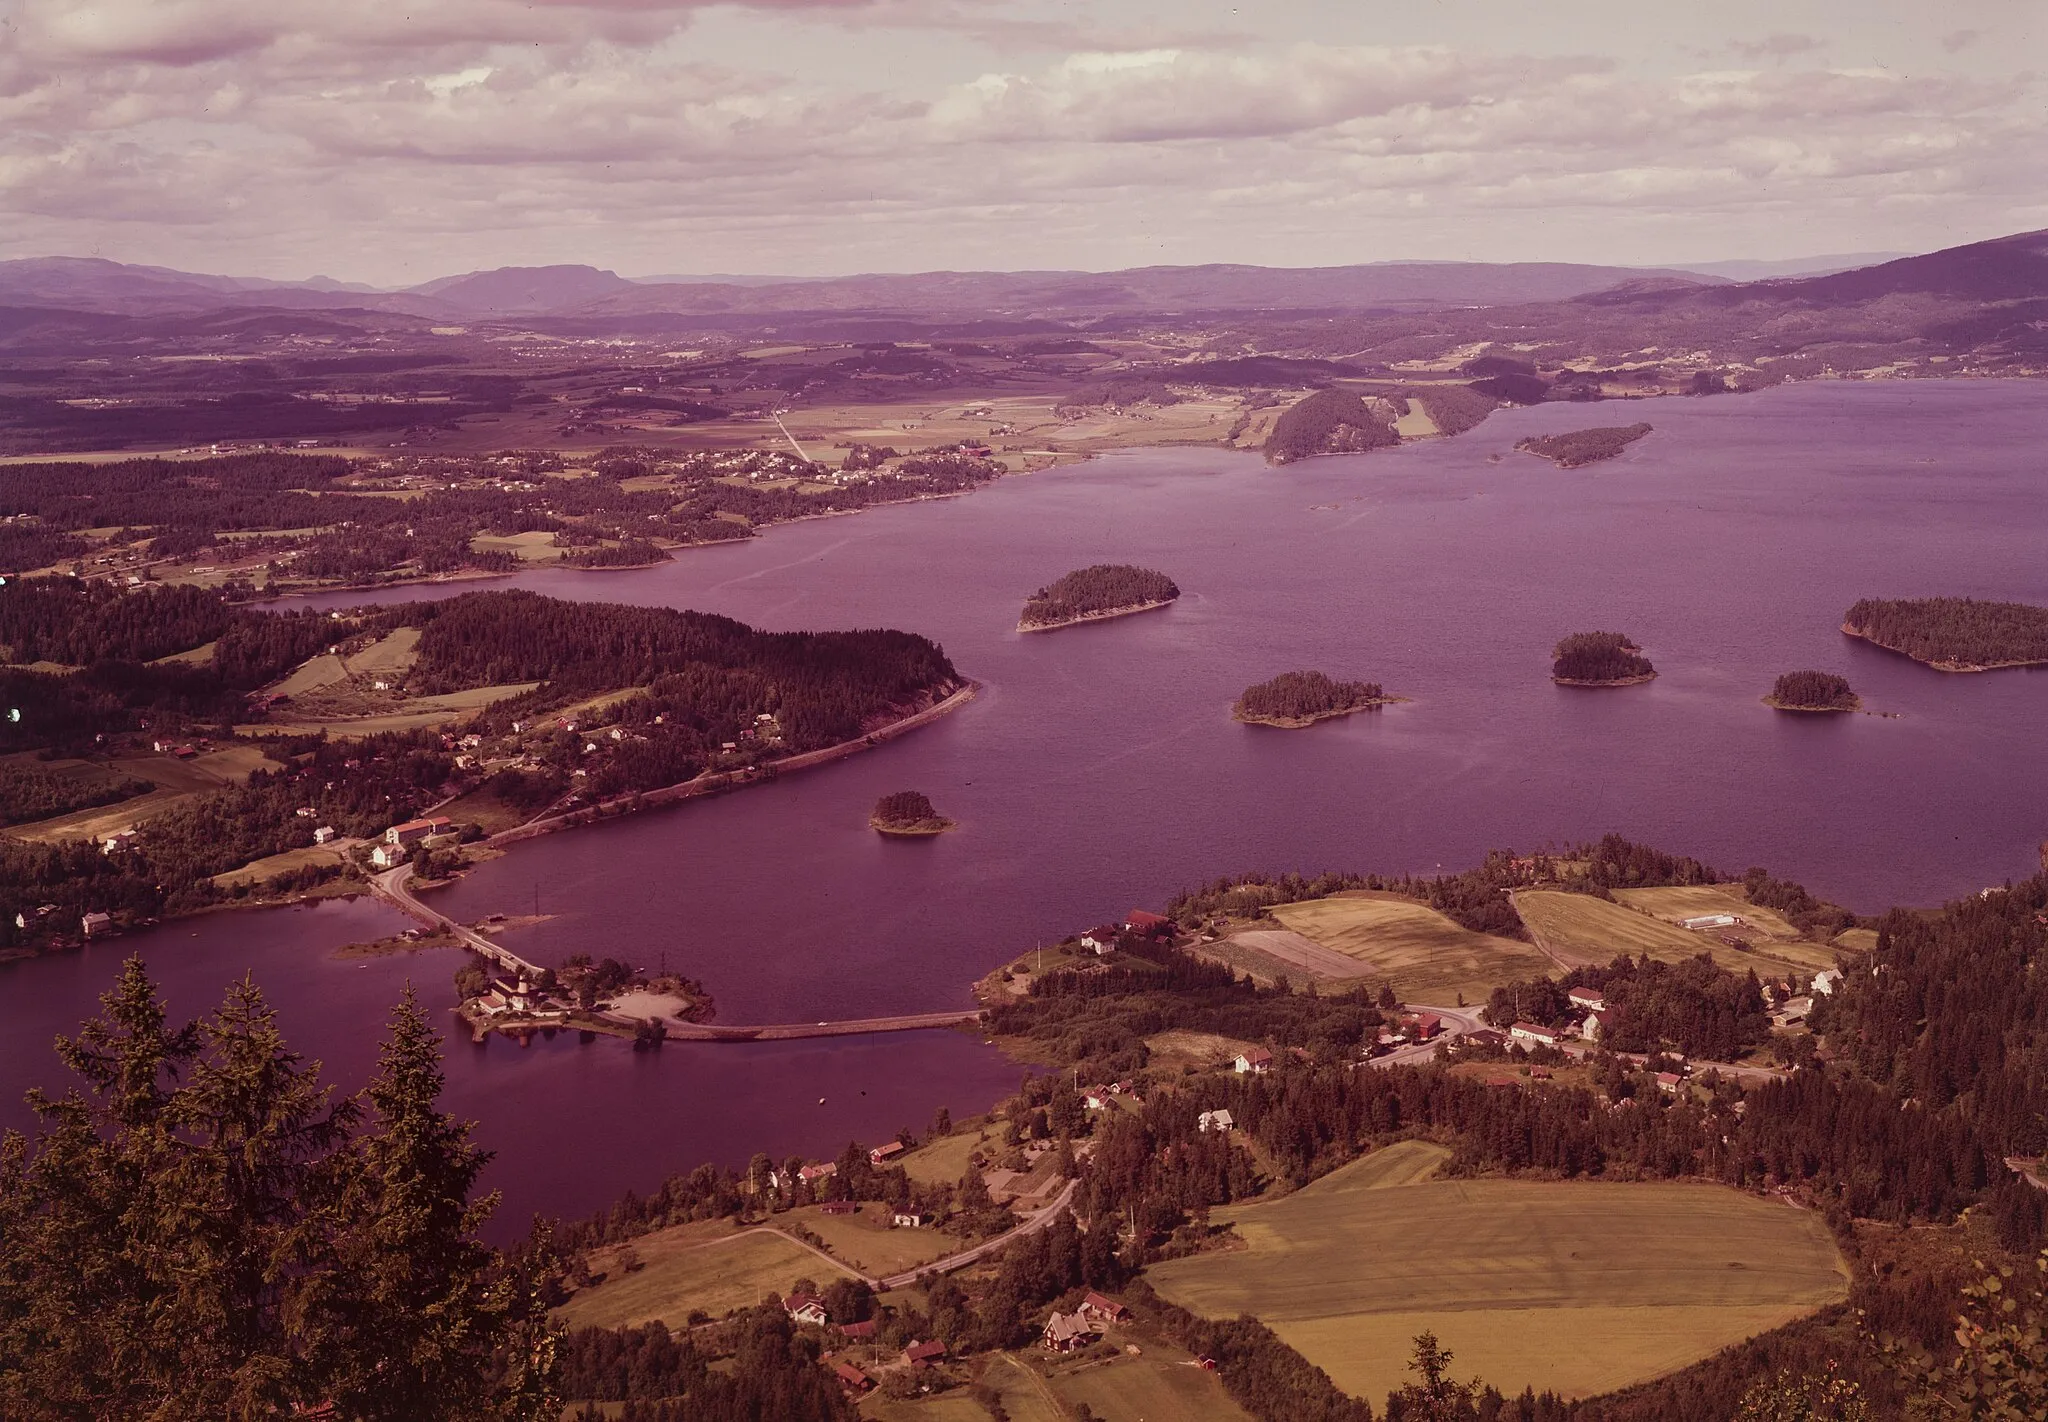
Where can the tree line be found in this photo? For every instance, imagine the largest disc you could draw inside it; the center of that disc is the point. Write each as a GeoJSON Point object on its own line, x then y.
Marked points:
{"type": "Point", "coordinates": [1298, 695]}
{"type": "Point", "coordinates": [1333, 421]}
{"type": "Point", "coordinates": [1105, 587]}
{"type": "Point", "coordinates": [1599, 657]}
{"type": "Point", "coordinates": [1954, 631]}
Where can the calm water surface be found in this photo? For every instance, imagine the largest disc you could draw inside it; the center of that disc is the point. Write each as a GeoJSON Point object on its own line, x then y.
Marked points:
{"type": "Point", "coordinates": [1099, 770]}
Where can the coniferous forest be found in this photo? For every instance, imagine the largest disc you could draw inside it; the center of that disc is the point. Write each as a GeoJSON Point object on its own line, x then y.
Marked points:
{"type": "Point", "coordinates": [1599, 658]}
{"type": "Point", "coordinates": [1105, 587]}
{"type": "Point", "coordinates": [1580, 447]}
{"type": "Point", "coordinates": [1812, 691]}
{"type": "Point", "coordinates": [1954, 633]}
{"type": "Point", "coordinates": [1330, 421]}
{"type": "Point", "coordinates": [1298, 697]}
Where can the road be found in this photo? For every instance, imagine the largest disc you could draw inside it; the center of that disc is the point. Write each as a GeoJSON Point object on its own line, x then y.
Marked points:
{"type": "Point", "coordinates": [1457, 1022]}
{"type": "Point", "coordinates": [395, 885]}
{"type": "Point", "coordinates": [981, 1251]}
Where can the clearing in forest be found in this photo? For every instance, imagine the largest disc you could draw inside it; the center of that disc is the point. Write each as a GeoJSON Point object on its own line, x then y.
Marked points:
{"type": "Point", "coordinates": [1768, 932]}
{"type": "Point", "coordinates": [1427, 957]}
{"type": "Point", "coordinates": [1578, 1286]}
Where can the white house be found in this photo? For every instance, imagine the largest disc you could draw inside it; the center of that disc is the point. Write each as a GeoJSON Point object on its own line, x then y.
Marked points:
{"type": "Point", "coordinates": [806, 1308]}
{"type": "Point", "coordinates": [388, 856]}
{"type": "Point", "coordinates": [1533, 1034]}
{"type": "Point", "coordinates": [1595, 1023]}
{"type": "Point", "coordinates": [94, 924]}
{"type": "Point", "coordinates": [1592, 999]}
{"type": "Point", "coordinates": [903, 1219]}
{"type": "Point", "coordinates": [1827, 982]}
{"type": "Point", "coordinates": [1099, 941]}
{"type": "Point", "coordinates": [324, 835]}
{"type": "Point", "coordinates": [1257, 1060]}
{"type": "Point", "coordinates": [1220, 1121]}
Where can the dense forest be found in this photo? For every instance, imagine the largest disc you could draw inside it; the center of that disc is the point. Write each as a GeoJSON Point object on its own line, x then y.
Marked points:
{"type": "Point", "coordinates": [1453, 409]}
{"type": "Point", "coordinates": [1105, 587]}
{"type": "Point", "coordinates": [1954, 633]}
{"type": "Point", "coordinates": [31, 791]}
{"type": "Point", "coordinates": [1578, 447]}
{"type": "Point", "coordinates": [1298, 697]}
{"type": "Point", "coordinates": [1332, 421]}
{"type": "Point", "coordinates": [1599, 659]}
{"type": "Point", "coordinates": [1812, 691]}
{"type": "Point", "coordinates": [1696, 1008]}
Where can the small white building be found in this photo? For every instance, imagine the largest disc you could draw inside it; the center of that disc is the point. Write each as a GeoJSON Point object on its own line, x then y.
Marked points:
{"type": "Point", "coordinates": [388, 856]}
{"type": "Point", "coordinates": [95, 924]}
{"type": "Point", "coordinates": [1594, 1025]}
{"type": "Point", "coordinates": [1258, 1061]}
{"type": "Point", "coordinates": [324, 835]}
{"type": "Point", "coordinates": [1711, 920]}
{"type": "Point", "coordinates": [1827, 982]}
{"type": "Point", "coordinates": [1533, 1034]}
{"type": "Point", "coordinates": [1219, 1121]}
{"type": "Point", "coordinates": [903, 1219]}
{"type": "Point", "coordinates": [116, 843]}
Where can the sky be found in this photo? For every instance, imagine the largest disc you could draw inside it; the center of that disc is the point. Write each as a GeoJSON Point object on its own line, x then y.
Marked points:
{"type": "Point", "coordinates": [392, 141]}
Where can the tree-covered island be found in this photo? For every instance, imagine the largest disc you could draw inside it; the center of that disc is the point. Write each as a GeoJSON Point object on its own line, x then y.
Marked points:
{"type": "Point", "coordinates": [908, 813]}
{"type": "Point", "coordinates": [1329, 422]}
{"type": "Point", "coordinates": [1599, 659]}
{"type": "Point", "coordinates": [1956, 634]}
{"type": "Point", "coordinates": [1577, 447]}
{"type": "Point", "coordinates": [1091, 594]}
{"type": "Point", "coordinates": [1812, 691]}
{"type": "Point", "coordinates": [1295, 699]}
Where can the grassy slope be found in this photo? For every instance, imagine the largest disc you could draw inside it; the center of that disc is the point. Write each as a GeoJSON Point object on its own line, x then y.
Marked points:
{"type": "Point", "coordinates": [1427, 957]}
{"type": "Point", "coordinates": [1785, 941]}
{"type": "Point", "coordinates": [866, 1241]}
{"type": "Point", "coordinates": [695, 1266]}
{"type": "Point", "coordinates": [1581, 1286]}
{"type": "Point", "coordinates": [1580, 927]}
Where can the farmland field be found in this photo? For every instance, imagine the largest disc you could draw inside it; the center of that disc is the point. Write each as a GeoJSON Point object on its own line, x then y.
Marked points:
{"type": "Point", "coordinates": [866, 1241]}
{"type": "Point", "coordinates": [1578, 1286]}
{"type": "Point", "coordinates": [1584, 929]}
{"type": "Point", "coordinates": [1782, 939]}
{"type": "Point", "coordinates": [942, 1161]}
{"type": "Point", "coordinates": [1426, 956]}
{"type": "Point", "coordinates": [694, 1266]}
{"type": "Point", "coordinates": [407, 715]}
{"type": "Point", "coordinates": [1161, 1382]}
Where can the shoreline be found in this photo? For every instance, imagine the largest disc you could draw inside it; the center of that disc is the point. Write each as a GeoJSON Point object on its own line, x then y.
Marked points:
{"type": "Point", "coordinates": [923, 829]}
{"type": "Point", "coordinates": [1642, 680]}
{"type": "Point", "coordinates": [712, 782]}
{"type": "Point", "coordinates": [1297, 723]}
{"type": "Point", "coordinates": [1855, 704]}
{"type": "Point", "coordinates": [1954, 667]}
{"type": "Point", "coordinates": [1102, 616]}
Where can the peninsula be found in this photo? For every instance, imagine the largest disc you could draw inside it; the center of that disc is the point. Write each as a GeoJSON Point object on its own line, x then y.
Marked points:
{"type": "Point", "coordinates": [1599, 659]}
{"type": "Point", "coordinates": [1296, 699]}
{"type": "Point", "coordinates": [908, 813]}
{"type": "Point", "coordinates": [1812, 691]}
{"type": "Point", "coordinates": [1578, 447]}
{"type": "Point", "coordinates": [1954, 634]}
{"type": "Point", "coordinates": [1094, 594]}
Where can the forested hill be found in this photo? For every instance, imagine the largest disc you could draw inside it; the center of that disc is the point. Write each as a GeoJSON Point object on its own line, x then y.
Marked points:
{"type": "Point", "coordinates": [823, 687]}
{"type": "Point", "coordinates": [1330, 421]}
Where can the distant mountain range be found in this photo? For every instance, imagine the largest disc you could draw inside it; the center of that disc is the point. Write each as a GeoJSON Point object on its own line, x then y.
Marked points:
{"type": "Point", "coordinates": [94, 284]}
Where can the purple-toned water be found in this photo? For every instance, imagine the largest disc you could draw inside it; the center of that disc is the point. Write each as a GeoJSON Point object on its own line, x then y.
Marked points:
{"type": "Point", "coordinates": [1099, 770]}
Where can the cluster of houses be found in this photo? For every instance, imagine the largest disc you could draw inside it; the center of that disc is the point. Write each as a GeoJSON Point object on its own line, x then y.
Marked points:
{"type": "Point", "coordinates": [437, 832]}
{"type": "Point", "coordinates": [1063, 1333]}
{"type": "Point", "coordinates": [518, 997]}
{"type": "Point", "coordinates": [1106, 939]}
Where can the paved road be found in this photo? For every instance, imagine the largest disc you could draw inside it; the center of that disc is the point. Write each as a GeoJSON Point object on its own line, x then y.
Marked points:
{"type": "Point", "coordinates": [981, 1251]}
{"type": "Point", "coordinates": [396, 885]}
{"type": "Point", "coordinates": [1457, 1022]}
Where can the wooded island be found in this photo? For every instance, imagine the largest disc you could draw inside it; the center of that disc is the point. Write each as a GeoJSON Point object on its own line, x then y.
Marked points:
{"type": "Point", "coordinates": [1957, 634]}
{"type": "Point", "coordinates": [1577, 447]}
{"type": "Point", "coordinates": [1812, 691]}
{"type": "Point", "coordinates": [1092, 594]}
{"type": "Point", "coordinates": [1599, 659]}
{"type": "Point", "coordinates": [1328, 422]}
{"type": "Point", "coordinates": [909, 813]}
{"type": "Point", "coordinates": [1295, 699]}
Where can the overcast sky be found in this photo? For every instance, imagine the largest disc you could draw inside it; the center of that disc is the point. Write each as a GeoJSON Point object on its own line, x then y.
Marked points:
{"type": "Point", "coordinates": [395, 140]}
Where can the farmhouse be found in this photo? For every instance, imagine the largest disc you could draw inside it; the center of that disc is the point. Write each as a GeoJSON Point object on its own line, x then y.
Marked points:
{"type": "Point", "coordinates": [115, 843]}
{"type": "Point", "coordinates": [1534, 1034]}
{"type": "Point", "coordinates": [324, 835]}
{"type": "Point", "coordinates": [414, 830]}
{"type": "Point", "coordinates": [851, 1378]}
{"type": "Point", "coordinates": [1065, 1332]}
{"type": "Point", "coordinates": [864, 1329]}
{"type": "Point", "coordinates": [387, 856]}
{"type": "Point", "coordinates": [806, 1308]}
{"type": "Point", "coordinates": [811, 1173]}
{"type": "Point", "coordinates": [887, 1151]}
{"type": "Point", "coordinates": [1669, 1081]}
{"type": "Point", "coordinates": [923, 1355]}
{"type": "Point", "coordinates": [1256, 1060]}
{"type": "Point", "coordinates": [1594, 1025]}
{"type": "Point", "coordinates": [1592, 999]}
{"type": "Point", "coordinates": [903, 1219]}
{"type": "Point", "coordinates": [1826, 983]}
{"type": "Point", "coordinates": [1100, 940]}
{"type": "Point", "coordinates": [1214, 1121]}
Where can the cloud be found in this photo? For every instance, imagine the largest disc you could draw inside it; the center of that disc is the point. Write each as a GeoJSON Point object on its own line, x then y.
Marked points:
{"type": "Point", "coordinates": [378, 141]}
{"type": "Point", "coordinates": [1778, 46]}
{"type": "Point", "coordinates": [1956, 41]}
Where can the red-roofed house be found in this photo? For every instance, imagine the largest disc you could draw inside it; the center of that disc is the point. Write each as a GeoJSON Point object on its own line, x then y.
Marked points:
{"type": "Point", "coordinates": [1067, 1331]}
{"type": "Point", "coordinates": [1590, 998]}
{"type": "Point", "coordinates": [1140, 921]}
{"type": "Point", "coordinates": [1535, 1034]}
{"type": "Point", "coordinates": [923, 1355]}
{"type": "Point", "coordinates": [818, 1172]}
{"type": "Point", "coordinates": [1253, 1059]}
{"type": "Point", "coordinates": [806, 1308]}
{"type": "Point", "coordinates": [1669, 1081]}
{"type": "Point", "coordinates": [1106, 1309]}
{"type": "Point", "coordinates": [1424, 1026]}
{"type": "Point", "coordinates": [413, 830]}
{"type": "Point", "coordinates": [864, 1329]}
{"type": "Point", "coordinates": [853, 1379]}
{"type": "Point", "coordinates": [886, 1151]}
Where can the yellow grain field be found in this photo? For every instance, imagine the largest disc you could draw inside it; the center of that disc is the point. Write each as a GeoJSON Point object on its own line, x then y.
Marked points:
{"type": "Point", "coordinates": [1576, 1286]}
{"type": "Point", "coordinates": [1581, 928]}
{"type": "Point", "coordinates": [1426, 956]}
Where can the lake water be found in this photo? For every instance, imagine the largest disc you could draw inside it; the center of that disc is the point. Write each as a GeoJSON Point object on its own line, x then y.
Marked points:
{"type": "Point", "coordinates": [1099, 769]}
